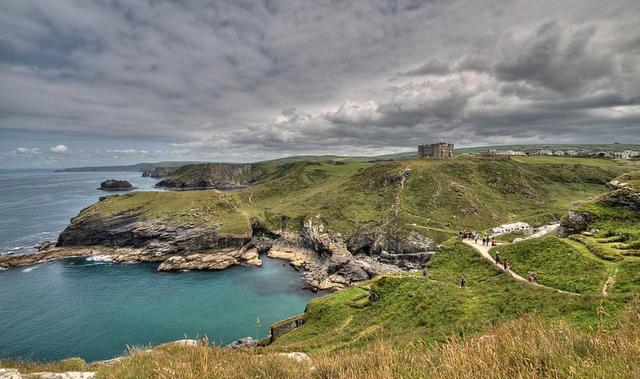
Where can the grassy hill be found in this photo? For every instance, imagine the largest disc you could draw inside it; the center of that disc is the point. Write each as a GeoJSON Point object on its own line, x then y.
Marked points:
{"type": "Point", "coordinates": [557, 263]}
{"type": "Point", "coordinates": [493, 326]}
{"type": "Point", "coordinates": [411, 307]}
{"type": "Point", "coordinates": [437, 198]}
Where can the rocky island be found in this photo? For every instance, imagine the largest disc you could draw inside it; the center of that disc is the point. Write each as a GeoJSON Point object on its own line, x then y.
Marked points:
{"type": "Point", "coordinates": [115, 185]}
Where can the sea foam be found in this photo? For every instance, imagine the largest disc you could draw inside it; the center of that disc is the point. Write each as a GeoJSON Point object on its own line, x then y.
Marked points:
{"type": "Point", "coordinates": [99, 258]}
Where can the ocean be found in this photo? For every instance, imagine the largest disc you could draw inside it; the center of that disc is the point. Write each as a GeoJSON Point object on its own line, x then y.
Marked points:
{"type": "Point", "coordinates": [94, 309]}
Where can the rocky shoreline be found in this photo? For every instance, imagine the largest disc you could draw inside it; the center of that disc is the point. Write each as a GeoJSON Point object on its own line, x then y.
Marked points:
{"type": "Point", "coordinates": [321, 256]}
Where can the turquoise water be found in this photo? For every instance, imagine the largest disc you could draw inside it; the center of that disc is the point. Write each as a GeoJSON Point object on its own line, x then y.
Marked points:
{"type": "Point", "coordinates": [93, 310]}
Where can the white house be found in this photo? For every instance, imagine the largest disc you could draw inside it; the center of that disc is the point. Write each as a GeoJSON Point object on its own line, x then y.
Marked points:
{"type": "Point", "coordinates": [627, 154]}
{"type": "Point", "coordinates": [507, 228]}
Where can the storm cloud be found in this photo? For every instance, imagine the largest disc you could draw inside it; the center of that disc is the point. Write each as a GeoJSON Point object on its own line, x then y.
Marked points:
{"type": "Point", "coordinates": [247, 80]}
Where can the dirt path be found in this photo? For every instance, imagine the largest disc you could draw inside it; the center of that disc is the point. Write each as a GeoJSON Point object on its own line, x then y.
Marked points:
{"type": "Point", "coordinates": [395, 208]}
{"type": "Point", "coordinates": [484, 251]}
{"type": "Point", "coordinates": [607, 285]}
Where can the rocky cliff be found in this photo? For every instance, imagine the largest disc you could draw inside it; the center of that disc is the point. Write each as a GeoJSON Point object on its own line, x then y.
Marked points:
{"type": "Point", "coordinates": [613, 203]}
{"type": "Point", "coordinates": [160, 172]}
{"type": "Point", "coordinates": [213, 175]}
{"type": "Point", "coordinates": [322, 255]}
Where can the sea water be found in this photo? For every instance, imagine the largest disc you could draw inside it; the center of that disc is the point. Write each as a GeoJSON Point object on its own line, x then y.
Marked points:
{"type": "Point", "coordinates": [94, 309]}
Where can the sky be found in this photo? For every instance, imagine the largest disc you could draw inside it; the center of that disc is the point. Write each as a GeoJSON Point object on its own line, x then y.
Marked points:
{"type": "Point", "coordinates": [97, 82]}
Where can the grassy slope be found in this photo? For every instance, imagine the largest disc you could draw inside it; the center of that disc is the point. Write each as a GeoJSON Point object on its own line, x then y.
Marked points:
{"type": "Point", "coordinates": [557, 263]}
{"type": "Point", "coordinates": [439, 197]}
{"type": "Point", "coordinates": [526, 348]}
{"type": "Point", "coordinates": [618, 229]}
{"type": "Point", "coordinates": [410, 306]}
{"type": "Point", "coordinates": [178, 208]}
{"type": "Point", "coordinates": [530, 347]}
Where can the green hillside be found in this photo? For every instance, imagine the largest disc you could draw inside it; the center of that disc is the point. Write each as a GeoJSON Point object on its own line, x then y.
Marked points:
{"type": "Point", "coordinates": [436, 199]}
{"type": "Point", "coordinates": [557, 263]}
{"type": "Point", "coordinates": [415, 324]}
{"type": "Point", "coordinates": [411, 307]}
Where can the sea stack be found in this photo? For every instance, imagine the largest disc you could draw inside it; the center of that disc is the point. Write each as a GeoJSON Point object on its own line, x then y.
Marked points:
{"type": "Point", "coordinates": [115, 185]}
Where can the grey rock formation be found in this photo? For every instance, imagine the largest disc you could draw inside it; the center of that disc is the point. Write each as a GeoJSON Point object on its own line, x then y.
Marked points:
{"type": "Point", "coordinates": [574, 222]}
{"type": "Point", "coordinates": [625, 198]}
{"type": "Point", "coordinates": [243, 343]}
{"type": "Point", "coordinates": [213, 175]}
{"type": "Point", "coordinates": [115, 185]}
{"type": "Point", "coordinates": [160, 172]}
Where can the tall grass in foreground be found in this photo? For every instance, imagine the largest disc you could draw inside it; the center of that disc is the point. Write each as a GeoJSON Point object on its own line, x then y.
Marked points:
{"type": "Point", "coordinates": [529, 347]}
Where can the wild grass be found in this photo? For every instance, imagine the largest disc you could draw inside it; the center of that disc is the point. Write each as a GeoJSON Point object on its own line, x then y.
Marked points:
{"type": "Point", "coordinates": [600, 250]}
{"type": "Point", "coordinates": [556, 263]}
{"type": "Point", "coordinates": [410, 306]}
{"type": "Point", "coordinates": [529, 347]}
{"type": "Point", "coordinates": [439, 196]}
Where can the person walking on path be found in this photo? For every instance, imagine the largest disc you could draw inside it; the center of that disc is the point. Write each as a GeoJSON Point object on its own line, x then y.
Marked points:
{"type": "Point", "coordinates": [505, 265]}
{"type": "Point", "coordinates": [497, 257]}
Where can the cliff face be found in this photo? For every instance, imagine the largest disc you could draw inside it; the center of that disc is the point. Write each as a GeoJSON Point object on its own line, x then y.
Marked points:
{"type": "Point", "coordinates": [326, 262]}
{"type": "Point", "coordinates": [612, 205]}
{"type": "Point", "coordinates": [160, 172]}
{"type": "Point", "coordinates": [214, 175]}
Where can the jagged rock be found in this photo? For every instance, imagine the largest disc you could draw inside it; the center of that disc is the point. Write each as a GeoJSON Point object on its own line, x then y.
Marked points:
{"type": "Point", "coordinates": [574, 222]}
{"type": "Point", "coordinates": [211, 175]}
{"type": "Point", "coordinates": [115, 185]}
{"type": "Point", "coordinates": [126, 230]}
{"type": "Point", "coordinates": [625, 198]}
{"type": "Point", "coordinates": [243, 343]}
{"type": "Point", "coordinates": [160, 172]}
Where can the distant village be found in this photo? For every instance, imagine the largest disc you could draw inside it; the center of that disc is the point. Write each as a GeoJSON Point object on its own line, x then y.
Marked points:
{"type": "Point", "coordinates": [445, 150]}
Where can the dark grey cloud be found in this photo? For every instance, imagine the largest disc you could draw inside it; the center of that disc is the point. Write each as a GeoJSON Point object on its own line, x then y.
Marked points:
{"type": "Point", "coordinates": [243, 80]}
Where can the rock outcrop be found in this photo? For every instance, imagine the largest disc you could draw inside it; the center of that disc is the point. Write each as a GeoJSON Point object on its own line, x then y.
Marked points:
{"type": "Point", "coordinates": [243, 343]}
{"type": "Point", "coordinates": [160, 171]}
{"type": "Point", "coordinates": [577, 221]}
{"type": "Point", "coordinates": [213, 175]}
{"type": "Point", "coordinates": [574, 222]}
{"type": "Point", "coordinates": [406, 249]}
{"type": "Point", "coordinates": [626, 198]}
{"type": "Point", "coordinates": [115, 185]}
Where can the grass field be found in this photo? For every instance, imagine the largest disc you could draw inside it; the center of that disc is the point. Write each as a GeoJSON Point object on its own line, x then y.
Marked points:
{"type": "Point", "coordinates": [410, 306]}
{"type": "Point", "coordinates": [493, 326]}
{"type": "Point", "coordinates": [439, 196]}
{"type": "Point", "coordinates": [557, 264]}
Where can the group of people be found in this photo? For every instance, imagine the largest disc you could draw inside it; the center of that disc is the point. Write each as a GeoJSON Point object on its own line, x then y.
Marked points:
{"type": "Point", "coordinates": [474, 236]}
{"type": "Point", "coordinates": [486, 241]}
{"type": "Point", "coordinates": [468, 235]}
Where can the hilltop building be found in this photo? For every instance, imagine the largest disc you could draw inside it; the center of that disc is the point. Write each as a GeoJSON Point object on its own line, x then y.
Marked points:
{"type": "Point", "coordinates": [436, 150]}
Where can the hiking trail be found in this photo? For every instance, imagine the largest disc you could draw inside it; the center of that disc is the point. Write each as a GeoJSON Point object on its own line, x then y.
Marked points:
{"type": "Point", "coordinates": [484, 251]}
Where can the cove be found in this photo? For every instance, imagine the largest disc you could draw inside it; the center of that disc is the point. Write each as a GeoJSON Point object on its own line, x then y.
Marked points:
{"type": "Point", "coordinates": [95, 309]}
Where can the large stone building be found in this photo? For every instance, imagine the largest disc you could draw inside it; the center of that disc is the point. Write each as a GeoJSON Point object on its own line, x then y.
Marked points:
{"type": "Point", "coordinates": [436, 150]}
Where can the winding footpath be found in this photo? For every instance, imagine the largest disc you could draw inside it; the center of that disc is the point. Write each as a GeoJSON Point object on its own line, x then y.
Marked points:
{"type": "Point", "coordinates": [484, 251]}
